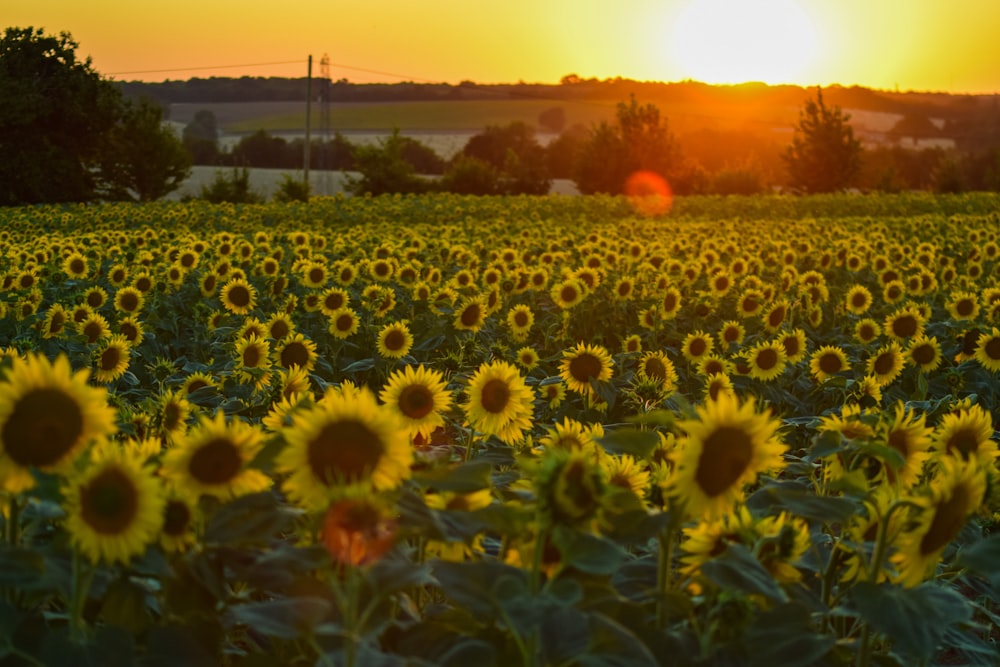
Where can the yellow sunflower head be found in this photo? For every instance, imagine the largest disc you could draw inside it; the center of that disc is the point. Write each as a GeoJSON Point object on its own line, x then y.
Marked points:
{"type": "Point", "coordinates": [583, 364]}
{"type": "Point", "coordinates": [500, 403]}
{"type": "Point", "coordinates": [420, 398]}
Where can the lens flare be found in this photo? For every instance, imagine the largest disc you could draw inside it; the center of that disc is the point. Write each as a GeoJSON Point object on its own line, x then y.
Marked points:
{"type": "Point", "coordinates": [649, 193]}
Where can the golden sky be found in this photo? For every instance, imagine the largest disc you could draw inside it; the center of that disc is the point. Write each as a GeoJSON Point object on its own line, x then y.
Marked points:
{"type": "Point", "coordinates": [926, 45]}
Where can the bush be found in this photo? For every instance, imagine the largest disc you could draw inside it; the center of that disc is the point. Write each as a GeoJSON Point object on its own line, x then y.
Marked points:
{"type": "Point", "coordinates": [234, 188]}
{"type": "Point", "coordinates": [291, 189]}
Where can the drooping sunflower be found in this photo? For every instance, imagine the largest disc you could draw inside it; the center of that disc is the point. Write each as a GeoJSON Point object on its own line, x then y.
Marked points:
{"type": "Point", "coordinates": [658, 367]}
{"type": "Point", "coordinates": [394, 340]}
{"type": "Point", "coordinates": [988, 350]}
{"type": "Point", "coordinates": [767, 360]}
{"type": "Point", "coordinates": [344, 323]}
{"type": "Point", "coordinates": [924, 352]}
{"type": "Point", "coordinates": [114, 506]}
{"type": "Point", "coordinates": [48, 415]}
{"type": "Point", "coordinates": [56, 319]}
{"type": "Point", "coordinates": [295, 350]}
{"type": "Point", "coordinates": [886, 364]}
{"type": "Point", "coordinates": [345, 442]}
{"type": "Point", "coordinates": [955, 494]}
{"type": "Point", "coordinates": [827, 361]}
{"type": "Point", "coordinates": [112, 359]}
{"type": "Point", "coordinates": [966, 434]}
{"type": "Point", "coordinates": [908, 434]}
{"type": "Point", "coordinates": [727, 446]}
{"type": "Point", "coordinates": [584, 363]}
{"type": "Point", "coordinates": [500, 403]}
{"type": "Point", "coordinates": [238, 296]}
{"type": "Point", "coordinates": [470, 315]}
{"type": "Point", "coordinates": [213, 459]}
{"type": "Point", "coordinates": [419, 396]}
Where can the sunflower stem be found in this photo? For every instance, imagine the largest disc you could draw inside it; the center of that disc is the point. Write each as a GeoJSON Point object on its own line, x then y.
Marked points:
{"type": "Point", "coordinates": [664, 579]}
{"type": "Point", "coordinates": [83, 576]}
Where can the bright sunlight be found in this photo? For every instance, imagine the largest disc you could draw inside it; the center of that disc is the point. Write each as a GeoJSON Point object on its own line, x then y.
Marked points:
{"type": "Point", "coordinates": [732, 41]}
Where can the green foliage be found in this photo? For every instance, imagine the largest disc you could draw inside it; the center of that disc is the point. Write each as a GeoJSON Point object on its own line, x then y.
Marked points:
{"type": "Point", "coordinates": [742, 180]}
{"type": "Point", "coordinates": [470, 176]}
{"type": "Point", "coordinates": [144, 160]}
{"type": "Point", "coordinates": [55, 119]}
{"type": "Point", "coordinates": [824, 155]}
{"type": "Point", "coordinates": [639, 140]}
{"type": "Point", "coordinates": [234, 188]}
{"type": "Point", "coordinates": [514, 155]}
{"type": "Point", "coordinates": [384, 169]}
{"type": "Point", "coordinates": [201, 138]}
{"type": "Point", "coordinates": [291, 189]}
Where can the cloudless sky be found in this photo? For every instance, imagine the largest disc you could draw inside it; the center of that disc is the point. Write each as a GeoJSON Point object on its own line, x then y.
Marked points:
{"type": "Point", "coordinates": [925, 45]}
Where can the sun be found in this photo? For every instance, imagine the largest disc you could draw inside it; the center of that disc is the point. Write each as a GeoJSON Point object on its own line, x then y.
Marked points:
{"type": "Point", "coordinates": [734, 41]}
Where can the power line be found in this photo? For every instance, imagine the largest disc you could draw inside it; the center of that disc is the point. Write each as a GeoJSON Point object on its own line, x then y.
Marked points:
{"type": "Point", "coordinates": [192, 69]}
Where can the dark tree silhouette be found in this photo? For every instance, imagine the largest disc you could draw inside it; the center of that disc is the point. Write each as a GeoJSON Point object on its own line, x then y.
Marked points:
{"type": "Point", "coordinates": [824, 155]}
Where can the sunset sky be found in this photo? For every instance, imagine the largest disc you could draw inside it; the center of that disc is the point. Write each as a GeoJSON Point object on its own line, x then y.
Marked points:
{"type": "Point", "coordinates": [926, 45]}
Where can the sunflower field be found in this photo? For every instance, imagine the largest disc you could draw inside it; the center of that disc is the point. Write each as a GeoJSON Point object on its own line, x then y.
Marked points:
{"type": "Point", "coordinates": [443, 430]}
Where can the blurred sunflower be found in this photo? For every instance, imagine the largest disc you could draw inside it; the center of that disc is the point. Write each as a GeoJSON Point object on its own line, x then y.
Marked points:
{"type": "Point", "coordinates": [988, 351]}
{"type": "Point", "coordinates": [886, 364]}
{"type": "Point", "coordinates": [827, 361]}
{"type": "Point", "coordinates": [527, 358]}
{"type": "Point", "coordinates": [94, 328]}
{"type": "Point", "coordinates": [794, 343]}
{"type": "Point", "coordinates": [112, 359]}
{"type": "Point", "coordinates": [569, 434]}
{"type": "Point", "coordinates": [470, 315]}
{"type": "Point", "coordinates": [253, 362]}
{"type": "Point", "coordinates": [500, 403]}
{"type": "Point", "coordinates": [344, 323]}
{"type": "Point", "coordinates": [213, 459]}
{"type": "Point", "coordinates": [129, 300]}
{"type": "Point", "coordinates": [955, 494]}
{"type": "Point", "coordinates": [419, 396]}
{"type": "Point", "coordinates": [520, 319]}
{"type": "Point", "coordinates": [966, 433]}
{"type": "Point", "coordinates": [657, 366]}
{"type": "Point", "coordinates": [963, 305]}
{"type": "Point", "coordinates": [858, 300]}
{"type": "Point", "coordinates": [924, 352]}
{"type": "Point", "coordinates": [727, 446]}
{"type": "Point", "coordinates": [114, 506]}
{"type": "Point", "coordinates": [903, 324]}
{"type": "Point", "coordinates": [767, 360]}
{"type": "Point", "coordinates": [48, 415]}
{"type": "Point", "coordinates": [717, 383]}
{"type": "Point", "coordinates": [584, 363]}
{"type": "Point", "coordinates": [867, 330]}
{"type": "Point", "coordinates": [774, 315]}
{"type": "Point", "coordinates": [567, 293]}
{"type": "Point", "coordinates": [358, 531]}
{"type": "Point", "coordinates": [332, 300]}
{"type": "Point", "coordinates": [346, 441]}
{"type": "Point", "coordinates": [908, 434]}
{"type": "Point", "coordinates": [295, 350]}
{"type": "Point", "coordinates": [182, 521]}
{"type": "Point", "coordinates": [670, 303]}
{"type": "Point", "coordinates": [55, 321]}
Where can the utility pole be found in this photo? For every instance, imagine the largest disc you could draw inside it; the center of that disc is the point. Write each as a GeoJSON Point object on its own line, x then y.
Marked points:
{"type": "Point", "coordinates": [305, 158]}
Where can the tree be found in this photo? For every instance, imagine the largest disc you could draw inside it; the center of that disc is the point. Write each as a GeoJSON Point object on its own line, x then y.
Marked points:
{"type": "Point", "coordinates": [384, 169]}
{"type": "Point", "coordinates": [201, 138]}
{"type": "Point", "coordinates": [512, 150]}
{"type": "Point", "coordinates": [824, 155]}
{"type": "Point", "coordinates": [144, 160]}
{"type": "Point", "coordinates": [640, 140]}
{"type": "Point", "coordinates": [55, 119]}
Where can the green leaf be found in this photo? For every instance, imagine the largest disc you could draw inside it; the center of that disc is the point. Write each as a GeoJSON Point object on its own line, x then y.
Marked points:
{"type": "Point", "coordinates": [473, 585]}
{"type": "Point", "coordinates": [389, 576]}
{"type": "Point", "coordinates": [588, 553]}
{"type": "Point", "coordinates": [564, 635]}
{"type": "Point", "coordinates": [360, 366]}
{"type": "Point", "coordinates": [250, 519]}
{"type": "Point", "coordinates": [639, 444]}
{"type": "Point", "coordinates": [657, 417]}
{"type": "Point", "coordinates": [794, 498]}
{"type": "Point", "coordinates": [826, 444]}
{"type": "Point", "coordinates": [463, 478]}
{"type": "Point", "coordinates": [288, 617]}
{"type": "Point", "coordinates": [784, 636]}
{"type": "Point", "coordinates": [125, 605]}
{"type": "Point", "coordinates": [914, 619]}
{"type": "Point", "coordinates": [613, 645]}
{"type": "Point", "coordinates": [468, 651]}
{"type": "Point", "coordinates": [736, 568]}
{"type": "Point", "coordinates": [983, 556]}
{"type": "Point", "coordinates": [20, 567]}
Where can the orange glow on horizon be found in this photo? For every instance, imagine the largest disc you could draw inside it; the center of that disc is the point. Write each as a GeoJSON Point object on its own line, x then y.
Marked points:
{"type": "Point", "coordinates": [926, 45]}
{"type": "Point", "coordinates": [649, 193]}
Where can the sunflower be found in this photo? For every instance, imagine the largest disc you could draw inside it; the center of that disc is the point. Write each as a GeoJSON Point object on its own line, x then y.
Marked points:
{"type": "Point", "coordinates": [567, 293]}
{"type": "Point", "coordinates": [470, 314]}
{"type": "Point", "coordinates": [253, 362]}
{"type": "Point", "coordinates": [731, 333]}
{"type": "Point", "coordinates": [670, 303]}
{"type": "Point", "coordinates": [213, 459]}
{"type": "Point", "coordinates": [131, 329]}
{"type": "Point", "coordinates": [344, 323]}
{"type": "Point", "coordinates": [632, 343]}
{"type": "Point", "coordinates": [358, 531]}
{"type": "Point", "coordinates": [48, 415]}
{"type": "Point", "coordinates": [420, 397]}
{"type": "Point", "coordinates": [767, 360]}
{"type": "Point", "coordinates": [251, 327]}
{"type": "Point", "coordinates": [295, 350]}
{"type": "Point", "coordinates": [717, 383]}
{"type": "Point", "coordinates": [909, 435]}
{"type": "Point", "coordinates": [238, 296]}
{"type": "Point", "coordinates": [867, 330]}
{"type": "Point", "coordinates": [94, 328]}
{"type": "Point", "coordinates": [197, 381]}
{"type": "Point", "coordinates": [345, 442]}
{"type": "Point", "coordinates": [95, 297]}
{"type": "Point", "coordinates": [553, 393]}
{"type": "Point", "coordinates": [656, 366]}
{"type": "Point", "coordinates": [520, 319]}
{"type": "Point", "coordinates": [966, 433]}
{"type": "Point", "coordinates": [75, 266]}
{"type": "Point", "coordinates": [858, 300]}
{"type": "Point", "coordinates": [173, 410]}
{"type": "Point", "coordinates": [710, 537]}
{"type": "Point", "coordinates": [827, 361]}
{"type": "Point", "coordinates": [279, 325]}
{"type": "Point", "coordinates": [774, 316]}
{"type": "Point", "coordinates": [332, 300]}
{"type": "Point", "coordinates": [583, 364]}
{"type": "Point", "coordinates": [956, 493]}
{"type": "Point", "coordinates": [395, 340]}
{"type": "Point", "coordinates": [696, 345]}
{"type": "Point", "coordinates": [500, 403]}
{"type": "Point", "coordinates": [570, 486]}
{"type": "Point", "coordinates": [182, 521]}
{"type": "Point", "coordinates": [624, 472]}
{"type": "Point", "coordinates": [55, 321]}
{"type": "Point", "coordinates": [963, 305]}
{"type": "Point", "coordinates": [903, 324]}
{"type": "Point", "coordinates": [727, 446]}
{"type": "Point", "coordinates": [924, 353]}
{"type": "Point", "coordinates": [988, 350]}
{"type": "Point", "coordinates": [114, 506]}
{"type": "Point", "coordinates": [886, 364]}
{"type": "Point", "coordinates": [750, 303]}
{"type": "Point", "coordinates": [129, 300]}
{"type": "Point", "coordinates": [569, 434]}
{"type": "Point", "coordinates": [527, 358]}
{"type": "Point", "coordinates": [112, 359]}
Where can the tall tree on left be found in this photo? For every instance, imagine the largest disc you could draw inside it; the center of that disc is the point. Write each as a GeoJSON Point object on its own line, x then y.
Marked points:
{"type": "Point", "coordinates": [59, 121]}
